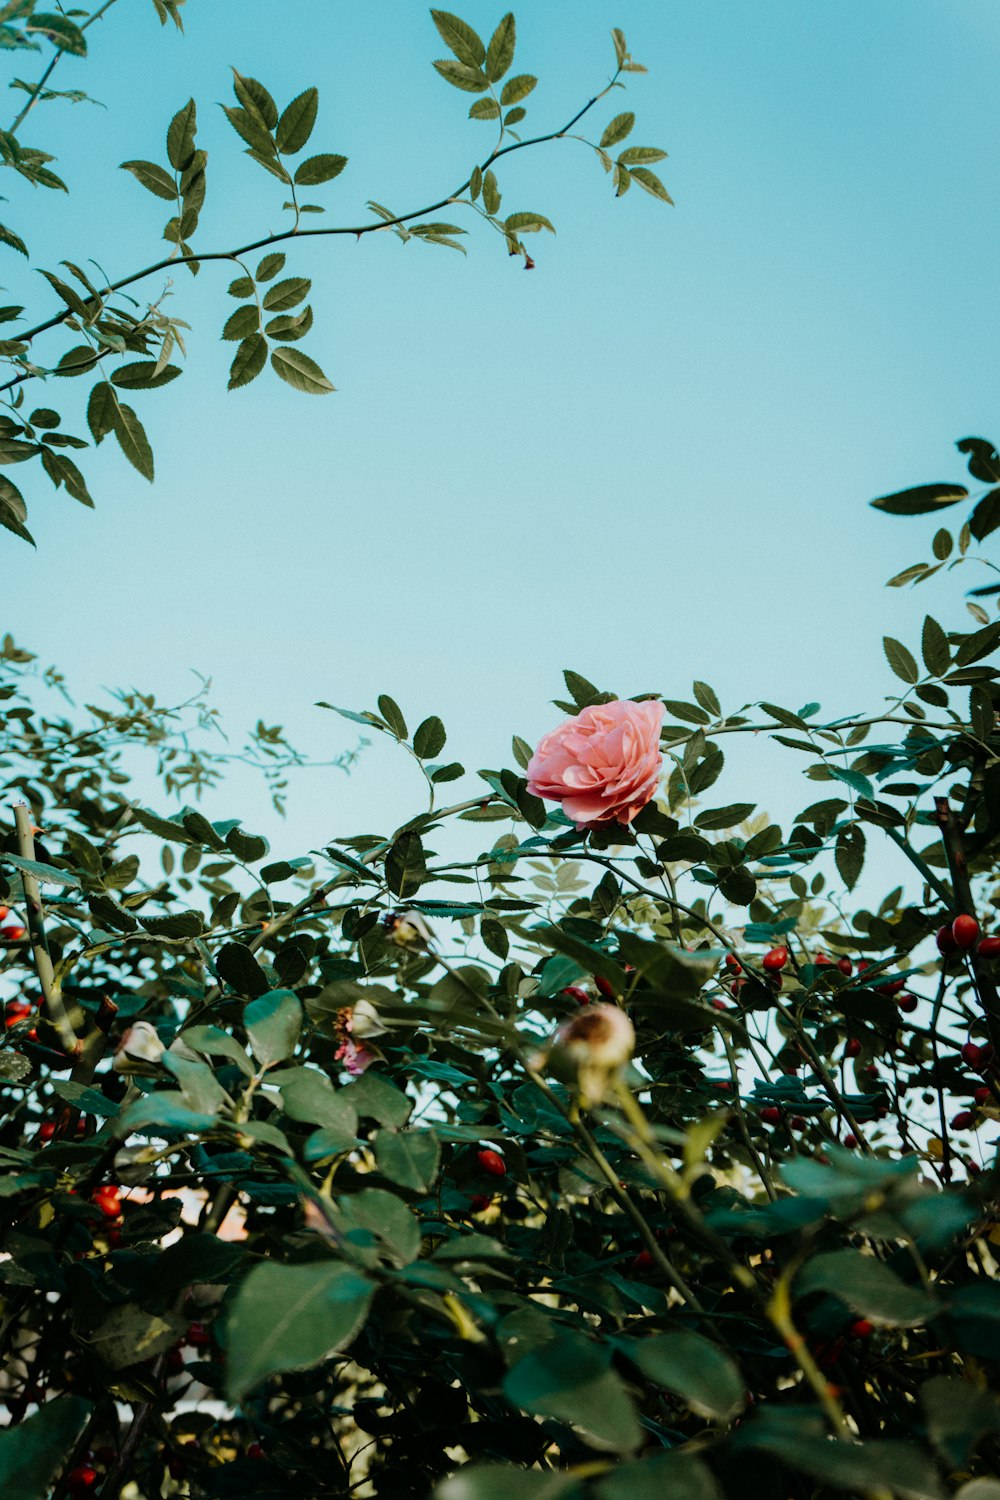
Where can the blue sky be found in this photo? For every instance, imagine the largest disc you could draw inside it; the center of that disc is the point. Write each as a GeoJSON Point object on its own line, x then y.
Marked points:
{"type": "Point", "coordinates": [647, 460]}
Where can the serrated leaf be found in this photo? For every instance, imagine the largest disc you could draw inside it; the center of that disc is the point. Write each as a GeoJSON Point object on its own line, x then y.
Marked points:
{"type": "Point", "coordinates": [934, 648]}
{"type": "Point", "coordinates": [132, 439]}
{"type": "Point", "coordinates": [500, 52]}
{"type": "Point", "coordinates": [618, 129]}
{"type": "Point", "coordinates": [317, 169]}
{"type": "Point", "coordinates": [250, 359]}
{"type": "Point", "coordinates": [288, 1317]}
{"type": "Point", "coordinates": [517, 88]}
{"type": "Point", "coordinates": [296, 123]}
{"type": "Point", "coordinates": [484, 109]}
{"type": "Point", "coordinates": [405, 866]}
{"type": "Point", "coordinates": [270, 265]}
{"type": "Point", "coordinates": [900, 660]}
{"type": "Point", "coordinates": [286, 294]}
{"type": "Point", "coordinates": [470, 80]}
{"type": "Point", "coordinates": [142, 375]}
{"type": "Point", "coordinates": [180, 136]}
{"type": "Point", "coordinates": [60, 31]}
{"type": "Point", "coordinates": [725, 817]}
{"type": "Point", "coordinates": [460, 38]}
{"type": "Point", "coordinates": [242, 323]}
{"type": "Point", "coordinates": [152, 177]}
{"type": "Point", "coordinates": [491, 193]}
{"type": "Point", "coordinates": [429, 739]}
{"type": "Point", "coordinates": [527, 223]}
{"type": "Point", "coordinates": [408, 1157]}
{"type": "Point", "coordinates": [850, 854]}
{"type": "Point", "coordinates": [237, 967]}
{"type": "Point", "coordinates": [651, 183]}
{"type": "Point", "coordinates": [8, 237]}
{"type": "Point", "coordinates": [300, 371]}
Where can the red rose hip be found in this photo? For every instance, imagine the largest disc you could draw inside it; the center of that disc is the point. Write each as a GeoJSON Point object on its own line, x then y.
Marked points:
{"type": "Point", "coordinates": [945, 940]}
{"type": "Point", "coordinates": [771, 1114]}
{"type": "Point", "coordinates": [965, 931]}
{"type": "Point", "coordinates": [989, 947]}
{"type": "Point", "coordinates": [775, 959]}
{"type": "Point", "coordinates": [852, 1048]}
{"type": "Point", "coordinates": [492, 1162]}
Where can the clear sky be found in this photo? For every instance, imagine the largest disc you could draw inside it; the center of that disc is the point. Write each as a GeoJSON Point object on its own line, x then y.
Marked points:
{"type": "Point", "coordinates": [648, 459]}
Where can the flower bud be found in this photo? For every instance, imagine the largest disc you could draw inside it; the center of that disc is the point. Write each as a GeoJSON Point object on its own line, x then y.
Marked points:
{"type": "Point", "coordinates": [593, 1047]}
{"type": "Point", "coordinates": [407, 929]}
{"type": "Point", "coordinates": [139, 1050]}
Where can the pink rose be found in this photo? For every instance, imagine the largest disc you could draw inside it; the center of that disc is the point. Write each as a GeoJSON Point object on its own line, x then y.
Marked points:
{"type": "Point", "coordinates": [603, 765]}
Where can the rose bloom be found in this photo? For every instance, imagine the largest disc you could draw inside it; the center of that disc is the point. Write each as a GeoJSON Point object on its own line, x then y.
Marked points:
{"type": "Point", "coordinates": [603, 765]}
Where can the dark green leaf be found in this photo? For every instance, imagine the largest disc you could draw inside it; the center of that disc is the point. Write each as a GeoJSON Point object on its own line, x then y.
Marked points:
{"type": "Point", "coordinates": [132, 439]}
{"type": "Point", "coordinates": [934, 648]}
{"type": "Point", "coordinates": [300, 371]}
{"type": "Point", "coordinates": [33, 1452]}
{"type": "Point", "coordinates": [570, 1378]}
{"type": "Point", "coordinates": [242, 324]}
{"type": "Point", "coordinates": [618, 129]}
{"type": "Point", "coordinates": [273, 1023]}
{"type": "Point", "coordinates": [460, 38]}
{"type": "Point", "coordinates": [900, 660]}
{"type": "Point", "coordinates": [517, 88]}
{"type": "Point", "coordinates": [868, 1287]}
{"type": "Point", "coordinates": [500, 52]}
{"type": "Point", "coordinates": [250, 359]}
{"type": "Point", "coordinates": [296, 123]}
{"type": "Point", "coordinates": [317, 169]}
{"type": "Point", "coordinates": [291, 1317]}
{"type": "Point", "coordinates": [922, 499]}
{"type": "Point", "coordinates": [152, 177]}
{"type": "Point", "coordinates": [143, 375]}
{"type": "Point", "coordinates": [405, 867]}
{"type": "Point", "coordinates": [237, 967]}
{"type": "Point", "coordinates": [470, 80]}
{"type": "Point", "coordinates": [180, 136]}
{"type": "Point", "coordinates": [408, 1157]}
{"type": "Point", "coordinates": [429, 739]}
{"type": "Point", "coordinates": [693, 1368]}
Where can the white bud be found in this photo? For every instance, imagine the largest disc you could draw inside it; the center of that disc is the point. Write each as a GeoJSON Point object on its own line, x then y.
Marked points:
{"type": "Point", "coordinates": [594, 1045]}
{"type": "Point", "coordinates": [139, 1049]}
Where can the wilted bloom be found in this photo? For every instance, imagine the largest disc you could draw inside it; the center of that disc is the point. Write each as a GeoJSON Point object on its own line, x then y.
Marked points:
{"type": "Point", "coordinates": [603, 765]}
{"type": "Point", "coordinates": [353, 1025]}
{"type": "Point", "coordinates": [592, 1048]}
{"type": "Point", "coordinates": [139, 1050]}
{"type": "Point", "coordinates": [408, 929]}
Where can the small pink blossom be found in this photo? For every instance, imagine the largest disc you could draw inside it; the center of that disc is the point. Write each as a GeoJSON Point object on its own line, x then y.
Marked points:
{"type": "Point", "coordinates": [354, 1023]}
{"type": "Point", "coordinates": [603, 765]}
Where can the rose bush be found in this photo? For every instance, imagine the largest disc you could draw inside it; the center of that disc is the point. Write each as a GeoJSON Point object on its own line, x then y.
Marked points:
{"type": "Point", "coordinates": [622, 1160]}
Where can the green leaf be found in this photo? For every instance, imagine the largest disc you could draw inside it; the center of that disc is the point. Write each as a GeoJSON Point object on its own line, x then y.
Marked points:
{"type": "Point", "coordinates": [570, 1378]}
{"type": "Point", "coordinates": [152, 177]}
{"type": "Point", "coordinates": [286, 294]}
{"type": "Point", "coordinates": [63, 471]}
{"type": "Point", "coordinates": [250, 359]}
{"type": "Point", "coordinates": [8, 237]}
{"type": "Point", "coordinates": [300, 371]}
{"type": "Point", "coordinates": [241, 287]}
{"type": "Point", "coordinates": [290, 1317]}
{"type": "Point", "coordinates": [905, 1469]}
{"type": "Point", "coordinates": [517, 88]}
{"type": "Point", "coordinates": [60, 31]}
{"type": "Point", "coordinates": [100, 411]}
{"type": "Point", "coordinates": [273, 1023]}
{"type": "Point", "coordinates": [470, 80]}
{"type": "Point", "coordinates": [900, 660]}
{"type": "Point", "coordinates": [850, 854]}
{"type": "Point", "coordinates": [375, 1098]}
{"type": "Point", "coordinates": [386, 1217]}
{"type": "Point", "coordinates": [491, 193]}
{"type": "Point", "coordinates": [868, 1287]}
{"type": "Point", "coordinates": [934, 648]}
{"type": "Point", "coordinates": [296, 123]}
{"type": "Point", "coordinates": [309, 1096]}
{"type": "Point", "coordinates": [180, 136]}
{"type": "Point", "coordinates": [527, 223]}
{"type": "Point", "coordinates": [393, 715]}
{"type": "Point", "coordinates": [921, 500]}
{"type": "Point", "coordinates": [408, 1157]}
{"type": "Point", "coordinates": [255, 99]}
{"type": "Point", "coordinates": [634, 156]}
{"type": "Point", "coordinates": [460, 38]}
{"type": "Point", "coordinates": [693, 1368]}
{"type": "Point", "coordinates": [484, 109]}
{"type": "Point", "coordinates": [958, 1417]}
{"type": "Point", "coordinates": [212, 1041]}
{"type": "Point", "coordinates": [242, 323]}
{"type": "Point", "coordinates": [317, 169]}
{"type": "Point", "coordinates": [725, 817]}
{"type": "Point", "coordinates": [33, 1452]}
{"type": "Point", "coordinates": [651, 183]}
{"type": "Point", "coordinates": [429, 739]}
{"type": "Point", "coordinates": [132, 439]}
{"type": "Point", "coordinates": [500, 52]}
{"type": "Point", "coordinates": [237, 967]}
{"type": "Point", "coordinates": [405, 866]}
{"type": "Point", "coordinates": [165, 1110]}
{"type": "Point", "coordinates": [618, 129]}
{"type": "Point", "coordinates": [270, 266]}
{"type": "Point", "coordinates": [13, 511]}
{"type": "Point", "coordinates": [681, 1476]}
{"type": "Point", "coordinates": [142, 375]}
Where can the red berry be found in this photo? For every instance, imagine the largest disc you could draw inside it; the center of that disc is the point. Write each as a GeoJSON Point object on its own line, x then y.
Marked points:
{"type": "Point", "coordinates": [108, 1200]}
{"type": "Point", "coordinates": [963, 1119]}
{"type": "Point", "coordinates": [4, 913]}
{"type": "Point", "coordinates": [853, 1047]}
{"type": "Point", "coordinates": [907, 1003]}
{"type": "Point", "coordinates": [16, 1011]}
{"type": "Point", "coordinates": [989, 947]}
{"type": "Point", "coordinates": [945, 940]}
{"type": "Point", "coordinates": [643, 1261]}
{"type": "Point", "coordinates": [971, 1054]}
{"type": "Point", "coordinates": [893, 987]}
{"type": "Point", "coordinates": [797, 1122]}
{"type": "Point", "coordinates": [492, 1162]}
{"type": "Point", "coordinates": [861, 1329]}
{"type": "Point", "coordinates": [198, 1337]}
{"type": "Point", "coordinates": [575, 992]}
{"type": "Point", "coordinates": [719, 1004]}
{"type": "Point", "coordinates": [775, 960]}
{"type": "Point", "coordinates": [605, 987]}
{"type": "Point", "coordinates": [254, 1450]}
{"type": "Point", "coordinates": [771, 1114]}
{"type": "Point", "coordinates": [12, 934]}
{"type": "Point", "coordinates": [81, 1479]}
{"type": "Point", "coordinates": [46, 1130]}
{"type": "Point", "coordinates": [480, 1203]}
{"type": "Point", "coordinates": [870, 1070]}
{"type": "Point", "coordinates": [822, 962]}
{"type": "Point", "coordinates": [851, 1141]}
{"type": "Point", "coordinates": [964, 930]}
{"type": "Point", "coordinates": [982, 1096]}
{"type": "Point", "coordinates": [845, 966]}
{"type": "Point", "coordinates": [733, 963]}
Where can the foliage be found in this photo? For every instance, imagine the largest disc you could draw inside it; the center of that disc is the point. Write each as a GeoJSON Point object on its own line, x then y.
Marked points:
{"type": "Point", "coordinates": [127, 348]}
{"type": "Point", "coordinates": [336, 1219]}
